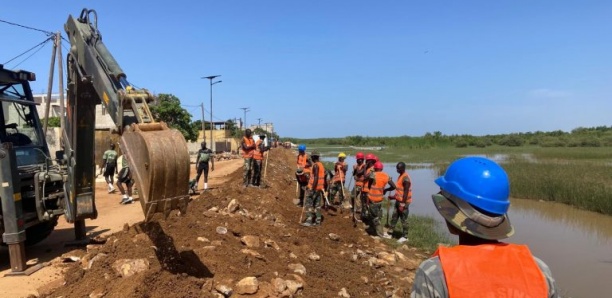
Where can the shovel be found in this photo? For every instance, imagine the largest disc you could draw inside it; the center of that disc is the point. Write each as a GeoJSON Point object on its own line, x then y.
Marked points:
{"type": "Point", "coordinates": [328, 206]}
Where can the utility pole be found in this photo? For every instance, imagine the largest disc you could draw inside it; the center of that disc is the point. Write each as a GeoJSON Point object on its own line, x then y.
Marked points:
{"type": "Point", "coordinates": [203, 135]}
{"type": "Point", "coordinates": [211, 78]}
{"type": "Point", "coordinates": [60, 70]}
{"type": "Point", "coordinates": [245, 111]}
{"type": "Point", "coordinates": [50, 85]}
{"type": "Point", "coordinates": [259, 124]}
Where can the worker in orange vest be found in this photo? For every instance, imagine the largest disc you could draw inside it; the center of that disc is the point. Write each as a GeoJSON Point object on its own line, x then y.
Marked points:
{"type": "Point", "coordinates": [258, 156]}
{"type": "Point", "coordinates": [338, 180]}
{"type": "Point", "coordinates": [365, 189]}
{"type": "Point", "coordinates": [358, 176]}
{"type": "Point", "coordinates": [377, 182]}
{"type": "Point", "coordinates": [304, 164]}
{"type": "Point", "coordinates": [402, 198]}
{"type": "Point", "coordinates": [248, 147]}
{"type": "Point", "coordinates": [474, 201]}
{"type": "Point", "coordinates": [316, 186]}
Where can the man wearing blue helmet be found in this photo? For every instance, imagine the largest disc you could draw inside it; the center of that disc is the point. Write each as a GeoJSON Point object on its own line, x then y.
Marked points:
{"type": "Point", "coordinates": [474, 201]}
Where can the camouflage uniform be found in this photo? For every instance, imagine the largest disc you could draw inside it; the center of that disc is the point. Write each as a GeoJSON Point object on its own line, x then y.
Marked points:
{"type": "Point", "coordinates": [313, 204]}
{"type": "Point", "coordinates": [402, 216]}
{"type": "Point", "coordinates": [429, 280]}
{"type": "Point", "coordinates": [376, 213]}
{"type": "Point", "coordinates": [336, 188]}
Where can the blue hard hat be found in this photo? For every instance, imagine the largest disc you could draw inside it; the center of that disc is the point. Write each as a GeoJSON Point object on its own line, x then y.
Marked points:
{"type": "Point", "coordinates": [479, 181]}
{"type": "Point", "coordinates": [302, 147]}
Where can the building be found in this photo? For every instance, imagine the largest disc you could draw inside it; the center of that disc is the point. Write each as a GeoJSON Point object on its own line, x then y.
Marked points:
{"type": "Point", "coordinates": [223, 140]}
{"type": "Point", "coordinates": [269, 127]}
{"type": "Point", "coordinates": [104, 125]}
{"type": "Point", "coordinates": [103, 119]}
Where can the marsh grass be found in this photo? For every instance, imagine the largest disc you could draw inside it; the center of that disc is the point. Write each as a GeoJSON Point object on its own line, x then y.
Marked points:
{"type": "Point", "coordinates": [585, 185]}
{"type": "Point", "coordinates": [424, 233]}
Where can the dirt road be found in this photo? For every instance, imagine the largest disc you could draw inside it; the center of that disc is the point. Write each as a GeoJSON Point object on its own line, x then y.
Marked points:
{"type": "Point", "coordinates": [112, 217]}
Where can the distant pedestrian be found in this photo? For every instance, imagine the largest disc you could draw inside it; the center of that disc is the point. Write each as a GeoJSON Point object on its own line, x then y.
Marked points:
{"type": "Point", "coordinates": [258, 157]}
{"type": "Point", "coordinates": [338, 180]}
{"type": "Point", "coordinates": [125, 177]}
{"type": "Point", "coordinates": [109, 166]}
{"type": "Point", "coordinates": [304, 164]}
{"type": "Point", "coordinates": [316, 186]}
{"type": "Point", "coordinates": [474, 201]}
{"type": "Point", "coordinates": [402, 199]}
{"type": "Point", "coordinates": [377, 182]}
{"type": "Point", "coordinates": [205, 156]}
{"type": "Point", "coordinates": [248, 147]}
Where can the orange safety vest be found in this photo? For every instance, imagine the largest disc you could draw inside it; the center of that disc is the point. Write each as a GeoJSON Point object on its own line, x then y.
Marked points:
{"type": "Point", "coordinates": [366, 183]}
{"type": "Point", "coordinates": [359, 178]}
{"type": "Point", "coordinates": [302, 162]}
{"type": "Point", "coordinates": [247, 142]}
{"type": "Point", "coordinates": [257, 155]}
{"type": "Point", "coordinates": [340, 173]}
{"type": "Point", "coordinates": [399, 189]}
{"type": "Point", "coordinates": [491, 270]}
{"type": "Point", "coordinates": [378, 187]}
{"type": "Point", "coordinates": [320, 177]}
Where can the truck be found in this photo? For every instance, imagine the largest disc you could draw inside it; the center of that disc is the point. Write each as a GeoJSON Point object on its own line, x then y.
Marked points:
{"type": "Point", "coordinates": [38, 187]}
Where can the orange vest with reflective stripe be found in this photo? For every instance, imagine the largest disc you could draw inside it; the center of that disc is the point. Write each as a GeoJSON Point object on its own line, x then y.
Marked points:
{"type": "Point", "coordinates": [399, 190]}
{"type": "Point", "coordinates": [257, 155]}
{"type": "Point", "coordinates": [358, 178]}
{"type": "Point", "coordinates": [247, 142]}
{"type": "Point", "coordinates": [366, 179]}
{"type": "Point", "coordinates": [378, 186]}
{"type": "Point", "coordinates": [302, 162]}
{"type": "Point", "coordinates": [491, 270]}
{"type": "Point", "coordinates": [340, 173]}
{"type": "Point", "coordinates": [320, 177]}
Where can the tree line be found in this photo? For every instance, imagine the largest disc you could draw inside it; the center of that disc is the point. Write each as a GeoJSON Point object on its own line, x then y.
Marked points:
{"type": "Point", "coordinates": [600, 136]}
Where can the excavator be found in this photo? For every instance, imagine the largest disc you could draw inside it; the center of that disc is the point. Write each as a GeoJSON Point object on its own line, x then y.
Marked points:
{"type": "Point", "coordinates": [37, 189]}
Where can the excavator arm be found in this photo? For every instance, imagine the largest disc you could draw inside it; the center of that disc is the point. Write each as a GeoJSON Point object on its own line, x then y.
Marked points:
{"type": "Point", "coordinates": [157, 156]}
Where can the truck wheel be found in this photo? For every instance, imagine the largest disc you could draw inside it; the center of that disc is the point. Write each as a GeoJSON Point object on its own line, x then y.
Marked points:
{"type": "Point", "coordinates": [39, 232]}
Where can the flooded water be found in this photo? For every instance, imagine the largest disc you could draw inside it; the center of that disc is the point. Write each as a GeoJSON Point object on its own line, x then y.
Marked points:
{"type": "Point", "coordinates": [576, 244]}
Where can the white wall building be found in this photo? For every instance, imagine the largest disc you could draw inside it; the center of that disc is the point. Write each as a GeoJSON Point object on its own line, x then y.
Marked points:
{"type": "Point", "coordinates": [103, 119]}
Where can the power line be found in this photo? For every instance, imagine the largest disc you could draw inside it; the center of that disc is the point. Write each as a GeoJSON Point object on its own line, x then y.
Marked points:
{"type": "Point", "coordinates": [48, 33]}
{"type": "Point", "coordinates": [40, 46]}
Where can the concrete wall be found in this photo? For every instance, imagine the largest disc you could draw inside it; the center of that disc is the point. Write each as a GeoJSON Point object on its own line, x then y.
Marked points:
{"type": "Point", "coordinates": [222, 138]}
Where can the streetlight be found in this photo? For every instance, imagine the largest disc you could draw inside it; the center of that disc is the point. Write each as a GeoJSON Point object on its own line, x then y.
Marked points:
{"type": "Point", "coordinates": [245, 111]}
{"type": "Point", "coordinates": [211, 78]}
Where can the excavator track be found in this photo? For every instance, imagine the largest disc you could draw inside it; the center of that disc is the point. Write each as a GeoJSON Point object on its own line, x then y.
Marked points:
{"type": "Point", "coordinates": [159, 162]}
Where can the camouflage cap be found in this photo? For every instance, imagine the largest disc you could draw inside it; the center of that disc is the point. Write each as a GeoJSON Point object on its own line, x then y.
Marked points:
{"type": "Point", "coordinates": [469, 220]}
{"type": "Point", "coordinates": [315, 153]}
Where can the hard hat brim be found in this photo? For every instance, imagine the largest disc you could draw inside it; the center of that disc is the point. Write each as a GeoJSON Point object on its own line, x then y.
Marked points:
{"type": "Point", "coordinates": [462, 221]}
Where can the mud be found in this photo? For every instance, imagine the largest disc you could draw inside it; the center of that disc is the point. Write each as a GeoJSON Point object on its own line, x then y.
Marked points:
{"type": "Point", "coordinates": [187, 257]}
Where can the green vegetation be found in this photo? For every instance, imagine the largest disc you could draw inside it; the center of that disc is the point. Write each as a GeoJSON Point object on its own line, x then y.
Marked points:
{"type": "Point", "coordinates": [600, 136]}
{"type": "Point", "coordinates": [168, 109]}
{"type": "Point", "coordinates": [424, 233]}
{"type": "Point", "coordinates": [53, 121]}
{"type": "Point", "coordinates": [575, 180]}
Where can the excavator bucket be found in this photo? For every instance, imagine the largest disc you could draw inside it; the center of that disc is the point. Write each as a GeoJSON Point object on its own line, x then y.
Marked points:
{"type": "Point", "coordinates": [159, 162]}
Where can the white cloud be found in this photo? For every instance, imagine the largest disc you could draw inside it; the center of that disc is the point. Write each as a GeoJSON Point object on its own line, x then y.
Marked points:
{"type": "Point", "coordinates": [548, 93]}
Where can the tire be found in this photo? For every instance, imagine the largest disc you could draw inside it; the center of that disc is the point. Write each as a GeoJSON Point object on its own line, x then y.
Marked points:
{"type": "Point", "coordinates": [39, 232]}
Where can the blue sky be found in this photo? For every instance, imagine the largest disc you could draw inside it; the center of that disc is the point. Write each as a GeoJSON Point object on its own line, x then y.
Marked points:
{"type": "Point", "coordinates": [338, 68]}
